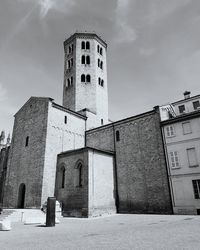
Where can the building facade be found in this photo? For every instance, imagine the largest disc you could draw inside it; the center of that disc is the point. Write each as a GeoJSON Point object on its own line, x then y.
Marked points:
{"type": "Point", "coordinates": [92, 166]}
{"type": "Point", "coordinates": [182, 144]}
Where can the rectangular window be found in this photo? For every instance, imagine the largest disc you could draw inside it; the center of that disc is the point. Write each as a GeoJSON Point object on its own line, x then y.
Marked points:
{"type": "Point", "coordinates": [174, 159]}
{"type": "Point", "coordinates": [196, 105]}
{"type": "Point", "coordinates": [101, 121]}
{"type": "Point", "coordinates": [181, 109]}
{"type": "Point", "coordinates": [192, 158]}
{"type": "Point", "coordinates": [170, 131]}
{"type": "Point", "coordinates": [196, 188]}
{"type": "Point", "coordinates": [186, 128]}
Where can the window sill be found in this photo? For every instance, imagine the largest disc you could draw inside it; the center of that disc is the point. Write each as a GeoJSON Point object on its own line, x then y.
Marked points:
{"type": "Point", "coordinates": [194, 166]}
{"type": "Point", "coordinates": [174, 168]}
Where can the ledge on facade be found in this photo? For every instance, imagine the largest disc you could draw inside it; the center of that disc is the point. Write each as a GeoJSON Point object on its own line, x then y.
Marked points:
{"type": "Point", "coordinates": [182, 117]}
{"type": "Point", "coordinates": [131, 118]}
{"type": "Point", "coordinates": [55, 105]}
{"type": "Point", "coordinates": [85, 35]}
{"type": "Point", "coordinates": [184, 100]}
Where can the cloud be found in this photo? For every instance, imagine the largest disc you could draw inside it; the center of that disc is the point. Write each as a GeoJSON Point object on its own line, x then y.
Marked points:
{"type": "Point", "coordinates": [2, 93]}
{"type": "Point", "coordinates": [160, 9]}
{"type": "Point", "coordinates": [47, 5]}
{"type": "Point", "coordinates": [126, 33]}
{"type": "Point", "coordinates": [146, 51]}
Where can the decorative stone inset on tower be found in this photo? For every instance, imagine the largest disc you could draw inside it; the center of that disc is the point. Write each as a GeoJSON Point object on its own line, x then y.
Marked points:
{"type": "Point", "coordinates": [85, 76]}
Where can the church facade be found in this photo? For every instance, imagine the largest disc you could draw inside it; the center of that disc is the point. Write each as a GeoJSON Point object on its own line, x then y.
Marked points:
{"type": "Point", "coordinates": [92, 166]}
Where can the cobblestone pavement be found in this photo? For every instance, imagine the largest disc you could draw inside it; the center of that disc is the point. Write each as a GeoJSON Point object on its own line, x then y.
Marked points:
{"type": "Point", "coordinates": [112, 232]}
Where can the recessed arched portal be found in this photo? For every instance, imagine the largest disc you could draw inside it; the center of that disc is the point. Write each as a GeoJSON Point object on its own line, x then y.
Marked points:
{"type": "Point", "coordinates": [21, 195]}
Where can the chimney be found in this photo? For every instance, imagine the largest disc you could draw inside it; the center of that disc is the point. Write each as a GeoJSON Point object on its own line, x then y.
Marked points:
{"type": "Point", "coordinates": [187, 94]}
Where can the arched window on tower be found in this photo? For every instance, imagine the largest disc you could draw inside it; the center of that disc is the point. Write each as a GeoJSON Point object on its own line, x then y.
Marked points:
{"type": "Point", "coordinates": [88, 60]}
{"type": "Point", "coordinates": [69, 64]}
{"type": "Point", "coordinates": [98, 48]}
{"type": "Point", "coordinates": [101, 51]}
{"type": "Point", "coordinates": [102, 83]}
{"type": "Point", "coordinates": [117, 135]}
{"type": "Point", "coordinates": [82, 78]}
{"type": "Point", "coordinates": [70, 51]}
{"type": "Point", "coordinates": [72, 62]}
{"type": "Point", "coordinates": [68, 82]}
{"type": "Point", "coordinates": [71, 80]}
{"type": "Point", "coordinates": [88, 45]}
{"type": "Point", "coordinates": [88, 79]}
{"type": "Point", "coordinates": [98, 62]}
{"type": "Point", "coordinates": [83, 45]}
{"type": "Point", "coordinates": [99, 80]}
{"type": "Point", "coordinates": [83, 59]}
{"type": "Point", "coordinates": [101, 65]}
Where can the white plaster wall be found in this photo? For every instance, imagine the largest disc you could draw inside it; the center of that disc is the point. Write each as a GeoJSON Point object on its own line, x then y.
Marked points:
{"type": "Point", "coordinates": [184, 201]}
{"type": "Point", "coordinates": [60, 137]}
{"type": "Point", "coordinates": [101, 184]}
{"type": "Point", "coordinates": [188, 105]}
{"type": "Point", "coordinates": [180, 136]}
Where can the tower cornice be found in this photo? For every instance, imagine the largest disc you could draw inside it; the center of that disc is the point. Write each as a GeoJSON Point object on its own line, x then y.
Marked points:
{"type": "Point", "coordinates": [84, 35]}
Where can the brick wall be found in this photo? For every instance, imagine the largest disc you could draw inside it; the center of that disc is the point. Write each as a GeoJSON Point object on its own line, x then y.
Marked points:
{"type": "Point", "coordinates": [140, 162]}
{"type": "Point", "coordinates": [4, 153]}
{"type": "Point", "coordinates": [74, 199]}
{"type": "Point", "coordinates": [25, 163]}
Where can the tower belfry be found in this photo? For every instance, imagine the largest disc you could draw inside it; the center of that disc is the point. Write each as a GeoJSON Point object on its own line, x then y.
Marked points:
{"type": "Point", "coordinates": [85, 75]}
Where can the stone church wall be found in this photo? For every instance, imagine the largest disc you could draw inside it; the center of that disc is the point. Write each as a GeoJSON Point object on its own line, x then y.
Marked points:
{"type": "Point", "coordinates": [101, 198]}
{"type": "Point", "coordinates": [74, 199]}
{"type": "Point", "coordinates": [140, 167]}
{"type": "Point", "coordinates": [25, 164]}
{"type": "Point", "coordinates": [61, 137]}
{"type": "Point", "coordinates": [4, 153]}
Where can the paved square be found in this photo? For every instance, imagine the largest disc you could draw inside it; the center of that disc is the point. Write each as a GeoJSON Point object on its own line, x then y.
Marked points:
{"type": "Point", "coordinates": [112, 232]}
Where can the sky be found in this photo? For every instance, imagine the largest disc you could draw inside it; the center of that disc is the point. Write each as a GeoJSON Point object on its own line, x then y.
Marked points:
{"type": "Point", "coordinates": [153, 50]}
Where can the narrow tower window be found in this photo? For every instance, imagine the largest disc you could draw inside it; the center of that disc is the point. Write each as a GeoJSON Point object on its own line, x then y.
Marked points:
{"type": "Point", "coordinates": [88, 78]}
{"type": "Point", "coordinates": [117, 135]}
{"type": "Point", "coordinates": [83, 78]}
{"type": "Point", "coordinates": [65, 120]}
{"type": "Point", "coordinates": [99, 79]}
{"type": "Point", "coordinates": [71, 80]}
{"type": "Point", "coordinates": [63, 178]}
{"type": "Point", "coordinates": [101, 51]}
{"type": "Point", "coordinates": [102, 83]}
{"type": "Point", "coordinates": [83, 45]}
{"type": "Point", "coordinates": [83, 60]}
{"type": "Point", "coordinates": [68, 82]}
{"type": "Point", "coordinates": [101, 121]}
{"type": "Point", "coordinates": [101, 65]}
{"type": "Point", "coordinates": [88, 59]}
{"type": "Point", "coordinates": [27, 141]}
{"type": "Point", "coordinates": [98, 48]}
{"type": "Point", "coordinates": [72, 62]}
{"type": "Point", "coordinates": [69, 64]}
{"type": "Point", "coordinates": [70, 50]}
{"type": "Point", "coordinates": [98, 62]}
{"type": "Point", "coordinates": [88, 45]}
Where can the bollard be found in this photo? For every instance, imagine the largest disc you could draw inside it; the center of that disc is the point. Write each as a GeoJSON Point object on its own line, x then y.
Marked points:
{"type": "Point", "coordinates": [51, 209]}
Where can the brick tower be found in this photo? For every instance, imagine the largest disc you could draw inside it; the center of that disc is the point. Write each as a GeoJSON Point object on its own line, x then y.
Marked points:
{"type": "Point", "coordinates": [85, 76]}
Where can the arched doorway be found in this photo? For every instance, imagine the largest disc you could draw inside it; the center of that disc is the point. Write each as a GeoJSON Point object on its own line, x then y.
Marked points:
{"type": "Point", "coordinates": [21, 195]}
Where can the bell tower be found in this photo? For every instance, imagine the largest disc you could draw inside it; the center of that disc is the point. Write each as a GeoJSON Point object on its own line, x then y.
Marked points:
{"type": "Point", "coordinates": [85, 76]}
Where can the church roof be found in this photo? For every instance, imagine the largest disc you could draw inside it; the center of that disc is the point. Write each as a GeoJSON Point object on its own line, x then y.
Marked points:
{"type": "Point", "coordinates": [86, 149]}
